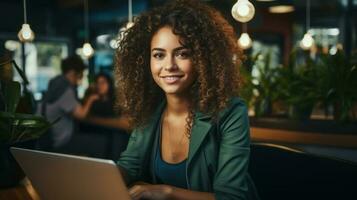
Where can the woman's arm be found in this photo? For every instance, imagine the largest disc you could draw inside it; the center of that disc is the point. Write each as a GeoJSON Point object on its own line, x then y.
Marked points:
{"type": "Point", "coordinates": [135, 157]}
{"type": "Point", "coordinates": [121, 122]}
{"type": "Point", "coordinates": [124, 175]}
{"type": "Point", "coordinates": [163, 192]}
{"type": "Point", "coordinates": [231, 177]}
{"type": "Point", "coordinates": [81, 111]}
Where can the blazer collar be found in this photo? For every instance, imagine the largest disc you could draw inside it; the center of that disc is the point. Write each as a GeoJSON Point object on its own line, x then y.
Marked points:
{"type": "Point", "coordinates": [199, 132]}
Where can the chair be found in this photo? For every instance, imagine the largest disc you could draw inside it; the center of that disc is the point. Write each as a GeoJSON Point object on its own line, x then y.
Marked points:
{"type": "Point", "coordinates": [280, 172]}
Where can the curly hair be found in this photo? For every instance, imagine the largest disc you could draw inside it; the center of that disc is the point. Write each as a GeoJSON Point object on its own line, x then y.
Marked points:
{"type": "Point", "coordinates": [215, 58]}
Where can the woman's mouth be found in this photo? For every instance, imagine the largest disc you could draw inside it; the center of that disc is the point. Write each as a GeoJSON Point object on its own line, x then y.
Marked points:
{"type": "Point", "coordinates": [171, 79]}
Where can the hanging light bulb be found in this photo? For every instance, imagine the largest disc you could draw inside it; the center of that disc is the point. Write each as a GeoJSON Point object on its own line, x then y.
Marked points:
{"type": "Point", "coordinates": [129, 25]}
{"type": "Point", "coordinates": [307, 41]}
{"type": "Point", "coordinates": [25, 34]}
{"type": "Point", "coordinates": [130, 15]}
{"type": "Point", "coordinates": [87, 50]}
{"type": "Point", "coordinates": [243, 11]}
{"type": "Point", "coordinates": [244, 41]}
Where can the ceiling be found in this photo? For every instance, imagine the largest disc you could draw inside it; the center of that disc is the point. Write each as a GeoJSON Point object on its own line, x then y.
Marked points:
{"type": "Point", "coordinates": [65, 17]}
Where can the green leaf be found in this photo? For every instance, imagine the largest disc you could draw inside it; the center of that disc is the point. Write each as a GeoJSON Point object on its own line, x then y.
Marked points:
{"type": "Point", "coordinates": [16, 127]}
{"type": "Point", "coordinates": [24, 120]}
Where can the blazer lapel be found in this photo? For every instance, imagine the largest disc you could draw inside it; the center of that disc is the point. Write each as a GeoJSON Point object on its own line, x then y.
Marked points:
{"type": "Point", "coordinates": [200, 129]}
{"type": "Point", "coordinates": [154, 137]}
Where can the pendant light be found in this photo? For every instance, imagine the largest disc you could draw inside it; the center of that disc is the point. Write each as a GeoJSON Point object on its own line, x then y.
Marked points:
{"type": "Point", "coordinates": [130, 22]}
{"type": "Point", "coordinates": [130, 15]}
{"type": "Point", "coordinates": [244, 41]}
{"type": "Point", "coordinates": [87, 49]}
{"type": "Point", "coordinates": [243, 11]}
{"type": "Point", "coordinates": [307, 41]}
{"type": "Point", "coordinates": [26, 34]}
{"type": "Point", "coordinates": [114, 43]}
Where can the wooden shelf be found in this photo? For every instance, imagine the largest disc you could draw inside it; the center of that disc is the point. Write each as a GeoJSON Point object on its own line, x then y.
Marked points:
{"type": "Point", "coordinates": [259, 134]}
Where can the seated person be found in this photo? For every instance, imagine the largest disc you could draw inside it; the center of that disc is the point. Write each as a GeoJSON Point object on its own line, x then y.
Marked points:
{"type": "Point", "coordinates": [61, 102]}
{"type": "Point", "coordinates": [104, 105]}
{"type": "Point", "coordinates": [178, 81]}
{"type": "Point", "coordinates": [103, 111]}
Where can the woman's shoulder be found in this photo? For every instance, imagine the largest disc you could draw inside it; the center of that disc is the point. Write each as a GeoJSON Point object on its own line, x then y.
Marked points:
{"type": "Point", "coordinates": [236, 105]}
{"type": "Point", "coordinates": [237, 101]}
{"type": "Point", "coordinates": [235, 112]}
{"type": "Point", "coordinates": [234, 121]}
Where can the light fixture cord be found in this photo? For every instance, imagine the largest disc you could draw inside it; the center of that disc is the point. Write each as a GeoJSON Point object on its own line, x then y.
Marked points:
{"type": "Point", "coordinates": [130, 11]}
{"type": "Point", "coordinates": [86, 20]}
{"type": "Point", "coordinates": [25, 12]}
{"type": "Point", "coordinates": [307, 15]}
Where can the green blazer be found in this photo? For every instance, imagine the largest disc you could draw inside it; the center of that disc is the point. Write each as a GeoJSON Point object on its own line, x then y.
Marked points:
{"type": "Point", "coordinates": [218, 153]}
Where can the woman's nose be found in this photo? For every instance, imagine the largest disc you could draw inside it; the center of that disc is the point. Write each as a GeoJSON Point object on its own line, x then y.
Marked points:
{"type": "Point", "coordinates": [171, 64]}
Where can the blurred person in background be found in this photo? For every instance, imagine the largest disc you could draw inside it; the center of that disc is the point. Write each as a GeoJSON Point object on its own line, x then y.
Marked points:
{"type": "Point", "coordinates": [104, 88]}
{"type": "Point", "coordinates": [61, 102]}
{"type": "Point", "coordinates": [103, 111]}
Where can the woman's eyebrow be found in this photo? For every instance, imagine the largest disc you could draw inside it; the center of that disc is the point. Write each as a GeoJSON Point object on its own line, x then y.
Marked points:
{"type": "Point", "coordinates": [157, 49]}
{"type": "Point", "coordinates": [175, 49]}
{"type": "Point", "coordinates": [180, 48]}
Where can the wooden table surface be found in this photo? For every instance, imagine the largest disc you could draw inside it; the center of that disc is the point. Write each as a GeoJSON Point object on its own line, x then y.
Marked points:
{"type": "Point", "coordinates": [24, 191]}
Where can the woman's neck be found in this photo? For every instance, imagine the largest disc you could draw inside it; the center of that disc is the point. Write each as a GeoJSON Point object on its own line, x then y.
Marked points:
{"type": "Point", "coordinates": [177, 105]}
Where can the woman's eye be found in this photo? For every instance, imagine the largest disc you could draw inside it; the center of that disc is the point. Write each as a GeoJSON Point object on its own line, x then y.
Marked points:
{"type": "Point", "coordinates": [183, 54]}
{"type": "Point", "coordinates": [158, 55]}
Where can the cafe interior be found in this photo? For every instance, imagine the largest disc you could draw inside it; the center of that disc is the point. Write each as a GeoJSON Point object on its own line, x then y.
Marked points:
{"type": "Point", "coordinates": [299, 81]}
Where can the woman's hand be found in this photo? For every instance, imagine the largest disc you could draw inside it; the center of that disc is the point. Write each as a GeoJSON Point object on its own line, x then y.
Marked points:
{"type": "Point", "coordinates": [147, 191]}
{"type": "Point", "coordinates": [93, 97]}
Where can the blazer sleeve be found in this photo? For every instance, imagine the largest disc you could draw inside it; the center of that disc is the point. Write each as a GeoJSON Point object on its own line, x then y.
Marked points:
{"type": "Point", "coordinates": [230, 181]}
{"type": "Point", "coordinates": [132, 159]}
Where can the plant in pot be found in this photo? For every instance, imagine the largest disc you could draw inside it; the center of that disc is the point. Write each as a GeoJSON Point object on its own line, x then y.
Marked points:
{"type": "Point", "coordinates": [16, 127]}
{"type": "Point", "coordinates": [340, 81]}
{"type": "Point", "coordinates": [298, 86]}
{"type": "Point", "coordinates": [264, 84]}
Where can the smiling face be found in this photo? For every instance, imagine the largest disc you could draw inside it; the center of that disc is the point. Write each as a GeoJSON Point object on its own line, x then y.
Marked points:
{"type": "Point", "coordinates": [170, 63]}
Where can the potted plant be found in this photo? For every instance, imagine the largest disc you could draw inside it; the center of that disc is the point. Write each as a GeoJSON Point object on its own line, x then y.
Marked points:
{"type": "Point", "coordinates": [340, 82]}
{"type": "Point", "coordinates": [299, 87]}
{"type": "Point", "coordinates": [264, 84]}
{"type": "Point", "coordinates": [15, 127]}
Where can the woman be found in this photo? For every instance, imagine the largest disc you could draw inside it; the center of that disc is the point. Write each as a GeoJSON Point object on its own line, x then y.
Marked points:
{"type": "Point", "coordinates": [102, 112]}
{"type": "Point", "coordinates": [104, 88]}
{"type": "Point", "coordinates": [177, 77]}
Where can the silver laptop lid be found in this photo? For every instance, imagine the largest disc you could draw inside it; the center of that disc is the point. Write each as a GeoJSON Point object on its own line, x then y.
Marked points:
{"type": "Point", "coordinates": [66, 177]}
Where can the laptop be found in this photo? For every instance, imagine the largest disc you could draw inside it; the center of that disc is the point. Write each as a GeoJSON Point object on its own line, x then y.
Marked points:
{"type": "Point", "coordinates": [66, 177]}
